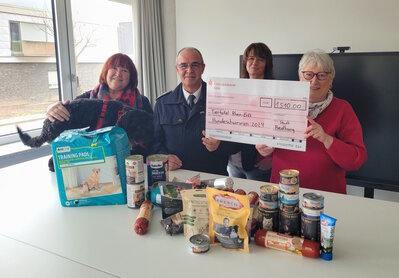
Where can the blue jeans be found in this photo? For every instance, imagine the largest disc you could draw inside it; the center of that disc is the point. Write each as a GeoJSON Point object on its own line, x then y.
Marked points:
{"type": "Point", "coordinates": [254, 174]}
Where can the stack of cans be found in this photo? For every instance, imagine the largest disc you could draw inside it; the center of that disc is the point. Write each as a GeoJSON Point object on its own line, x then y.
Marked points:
{"type": "Point", "coordinates": [268, 213]}
{"type": "Point", "coordinates": [312, 206]}
{"type": "Point", "coordinates": [135, 186]}
{"type": "Point", "coordinates": [290, 216]}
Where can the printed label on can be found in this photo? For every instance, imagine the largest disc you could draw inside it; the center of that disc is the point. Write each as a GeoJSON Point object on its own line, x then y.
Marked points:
{"type": "Point", "coordinates": [313, 200]}
{"type": "Point", "coordinates": [290, 208]}
{"type": "Point", "coordinates": [290, 223]}
{"type": "Point", "coordinates": [269, 192]}
{"type": "Point", "coordinates": [289, 188]}
{"type": "Point", "coordinates": [288, 198]}
{"type": "Point", "coordinates": [268, 220]}
{"type": "Point", "coordinates": [310, 228]}
{"type": "Point", "coordinates": [312, 213]}
{"type": "Point", "coordinates": [268, 205]}
{"type": "Point", "coordinates": [157, 169]}
{"type": "Point", "coordinates": [199, 243]}
{"type": "Point", "coordinates": [134, 169]}
{"type": "Point", "coordinates": [135, 195]}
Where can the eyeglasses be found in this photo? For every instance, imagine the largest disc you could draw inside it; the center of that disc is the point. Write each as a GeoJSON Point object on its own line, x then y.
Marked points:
{"type": "Point", "coordinates": [308, 75]}
{"type": "Point", "coordinates": [194, 66]}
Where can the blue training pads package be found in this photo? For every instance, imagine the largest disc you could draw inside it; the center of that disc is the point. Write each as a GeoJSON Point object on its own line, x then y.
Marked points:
{"type": "Point", "coordinates": [90, 166]}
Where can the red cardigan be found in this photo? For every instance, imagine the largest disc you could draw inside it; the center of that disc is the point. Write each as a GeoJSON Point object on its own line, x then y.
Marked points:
{"type": "Point", "coordinates": [323, 169]}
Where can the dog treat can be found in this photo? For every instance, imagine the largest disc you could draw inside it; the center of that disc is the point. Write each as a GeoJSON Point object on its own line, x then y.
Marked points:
{"type": "Point", "coordinates": [313, 200]}
{"type": "Point", "coordinates": [134, 169]}
{"type": "Point", "coordinates": [157, 169]}
{"type": "Point", "coordinates": [199, 243]}
{"type": "Point", "coordinates": [289, 176]}
{"type": "Point", "coordinates": [269, 192]}
{"type": "Point", "coordinates": [135, 194]}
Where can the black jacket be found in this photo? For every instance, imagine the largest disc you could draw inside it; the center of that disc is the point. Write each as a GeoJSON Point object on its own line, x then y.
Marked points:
{"type": "Point", "coordinates": [178, 130]}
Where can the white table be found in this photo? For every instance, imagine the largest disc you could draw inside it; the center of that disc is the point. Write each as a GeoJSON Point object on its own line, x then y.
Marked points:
{"type": "Point", "coordinates": [101, 239]}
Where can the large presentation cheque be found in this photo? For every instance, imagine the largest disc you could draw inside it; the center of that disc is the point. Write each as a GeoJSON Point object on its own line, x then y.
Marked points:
{"type": "Point", "coordinates": [270, 112]}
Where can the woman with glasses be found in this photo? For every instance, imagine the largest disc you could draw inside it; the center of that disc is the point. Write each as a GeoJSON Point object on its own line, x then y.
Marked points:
{"type": "Point", "coordinates": [257, 63]}
{"type": "Point", "coordinates": [334, 135]}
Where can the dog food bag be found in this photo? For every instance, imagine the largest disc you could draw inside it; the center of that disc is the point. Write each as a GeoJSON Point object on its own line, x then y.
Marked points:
{"type": "Point", "coordinates": [90, 166]}
{"type": "Point", "coordinates": [195, 212]}
{"type": "Point", "coordinates": [228, 216]}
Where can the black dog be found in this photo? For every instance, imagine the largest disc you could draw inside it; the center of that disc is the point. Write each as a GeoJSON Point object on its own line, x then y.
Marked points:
{"type": "Point", "coordinates": [138, 124]}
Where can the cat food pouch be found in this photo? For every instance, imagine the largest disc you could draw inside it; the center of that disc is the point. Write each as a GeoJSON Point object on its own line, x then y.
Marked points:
{"type": "Point", "coordinates": [228, 216]}
{"type": "Point", "coordinates": [195, 212]}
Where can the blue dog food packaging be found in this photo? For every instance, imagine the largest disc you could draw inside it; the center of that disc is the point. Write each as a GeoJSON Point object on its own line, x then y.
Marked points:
{"type": "Point", "coordinates": [90, 166]}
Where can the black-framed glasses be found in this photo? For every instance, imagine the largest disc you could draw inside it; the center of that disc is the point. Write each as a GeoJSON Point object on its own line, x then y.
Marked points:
{"type": "Point", "coordinates": [194, 66]}
{"type": "Point", "coordinates": [308, 75]}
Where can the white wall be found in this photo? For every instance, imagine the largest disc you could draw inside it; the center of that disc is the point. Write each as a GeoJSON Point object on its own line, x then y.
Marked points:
{"type": "Point", "coordinates": [221, 29]}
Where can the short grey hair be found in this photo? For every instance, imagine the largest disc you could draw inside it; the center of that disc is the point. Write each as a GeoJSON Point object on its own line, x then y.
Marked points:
{"type": "Point", "coordinates": [318, 58]}
{"type": "Point", "coordinates": [189, 48]}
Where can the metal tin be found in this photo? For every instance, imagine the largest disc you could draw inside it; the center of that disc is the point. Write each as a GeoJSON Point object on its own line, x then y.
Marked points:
{"type": "Point", "coordinates": [268, 219]}
{"type": "Point", "coordinates": [313, 200]}
{"type": "Point", "coordinates": [288, 198]}
{"type": "Point", "coordinates": [290, 223]}
{"type": "Point", "coordinates": [310, 228]}
{"type": "Point", "coordinates": [289, 208]}
{"type": "Point", "coordinates": [135, 194]}
{"type": "Point", "coordinates": [134, 169]}
{"type": "Point", "coordinates": [312, 213]}
{"type": "Point", "coordinates": [289, 176]}
{"type": "Point", "coordinates": [157, 169]}
{"type": "Point", "coordinates": [268, 205]}
{"type": "Point", "coordinates": [269, 192]}
{"type": "Point", "coordinates": [289, 188]}
{"type": "Point", "coordinates": [200, 243]}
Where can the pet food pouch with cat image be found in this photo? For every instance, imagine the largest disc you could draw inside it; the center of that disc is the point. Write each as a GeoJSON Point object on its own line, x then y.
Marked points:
{"type": "Point", "coordinates": [228, 216]}
{"type": "Point", "coordinates": [90, 166]}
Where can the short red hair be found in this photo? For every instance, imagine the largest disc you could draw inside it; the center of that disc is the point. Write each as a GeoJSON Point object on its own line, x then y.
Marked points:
{"type": "Point", "coordinates": [120, 60]}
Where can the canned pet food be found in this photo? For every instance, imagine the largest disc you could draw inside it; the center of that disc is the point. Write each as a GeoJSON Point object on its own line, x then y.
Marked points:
{"type": "Point", "coordinates": [288, 198]}
{"type": "Point", "coordinates": [313, 201]}
{"type": "Point", "coordinates": [199, 243]}
{"type": "Point", "coordinates": [268, 219]}
{"type": "Point", "coordinates": [157, 169]}
{"type": "Point", "coordinates": [289, 208]}
{"type": "Point", "coordinates": [134, 169]}
{"type": "Point", "coordinates": [269, 192]}
{"type": "Point", "coordinates": [290, 223]}
{"type": "Point", "coordinates": [289, 188]}
{"type": "Point", "coordinates": [312, 213]}
{"type": "Point", "coordinates": [310, 228]}
{"type": "Point", "coordinates": [268, 205]}
{"type": "Point", "coordinates": [289, 176]}
{"type": "Point", "coordinates": [135, 194]}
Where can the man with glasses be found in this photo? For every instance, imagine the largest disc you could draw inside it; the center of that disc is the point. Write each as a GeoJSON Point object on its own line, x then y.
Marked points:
{"type": "Point", "coordinates": [179, 121]}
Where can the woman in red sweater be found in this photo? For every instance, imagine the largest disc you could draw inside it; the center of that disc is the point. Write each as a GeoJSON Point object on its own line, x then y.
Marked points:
{"type": "Point", "coordinates": [334, 135]}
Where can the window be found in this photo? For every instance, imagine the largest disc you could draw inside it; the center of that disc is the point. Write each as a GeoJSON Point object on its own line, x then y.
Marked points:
{"type": "Point", "coordinates": [16, 46]}
{"type": "Point", "coordinates": [31, 78]}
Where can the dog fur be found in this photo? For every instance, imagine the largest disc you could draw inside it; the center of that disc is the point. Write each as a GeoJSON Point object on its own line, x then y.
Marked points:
{"type": "Point", "coordinates": [84, 112]}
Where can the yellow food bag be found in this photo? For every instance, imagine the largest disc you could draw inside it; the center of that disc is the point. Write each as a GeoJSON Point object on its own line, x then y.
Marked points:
{"type": "Point", "coordinates": [228, 216]}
